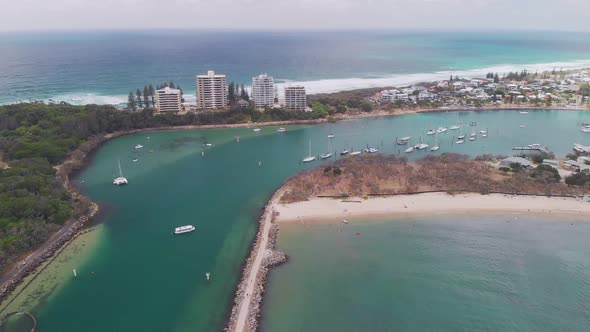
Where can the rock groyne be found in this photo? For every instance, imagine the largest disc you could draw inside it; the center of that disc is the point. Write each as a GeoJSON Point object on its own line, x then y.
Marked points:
{"type": "Point", "coordinates": [248, 299]}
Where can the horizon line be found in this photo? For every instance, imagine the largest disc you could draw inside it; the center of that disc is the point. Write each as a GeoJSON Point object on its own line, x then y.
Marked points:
{"type": "Point", "coordinates": [288, 30]}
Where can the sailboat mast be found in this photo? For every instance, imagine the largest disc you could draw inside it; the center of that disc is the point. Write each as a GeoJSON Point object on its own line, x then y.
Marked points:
{"type": "Point", "coordinates": [309, 148]}
{"type": "Point", "coordinates": [120, 171]}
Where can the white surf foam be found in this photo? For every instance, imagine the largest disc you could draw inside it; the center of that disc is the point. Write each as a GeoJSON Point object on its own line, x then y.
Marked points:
{"type": "Point", "coordinates": [347, 84]}
{"type": "Point", "coordinates": [81, 98]}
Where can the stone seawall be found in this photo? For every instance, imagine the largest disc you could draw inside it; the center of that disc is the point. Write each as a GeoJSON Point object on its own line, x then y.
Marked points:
{"type": "Point", "coordinates": [271, 258]}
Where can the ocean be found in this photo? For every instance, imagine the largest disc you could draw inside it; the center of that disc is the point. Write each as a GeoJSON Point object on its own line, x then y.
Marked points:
{"type": "Point", "coordinates": [135, 275]}
{"type": "Point", "coordinates": [438, 273]}
{"type": "Point", "coordinates": [102, 67]}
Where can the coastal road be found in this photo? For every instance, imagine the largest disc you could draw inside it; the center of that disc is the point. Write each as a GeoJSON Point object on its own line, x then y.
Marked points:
{"type": "Point", "coordinates": [260, 253]}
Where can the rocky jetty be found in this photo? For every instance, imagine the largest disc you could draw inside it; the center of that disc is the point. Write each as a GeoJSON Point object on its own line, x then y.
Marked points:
{"type": "Point", "coordinates": [271, 258]}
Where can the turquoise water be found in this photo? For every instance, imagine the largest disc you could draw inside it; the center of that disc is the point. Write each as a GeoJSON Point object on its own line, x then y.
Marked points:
{"type": "Point", "coordinates": [443, 273]}
{"type": "Point", "coordinates": [143, 278]}
{"type": "Point", "coordinates": [102, 67]}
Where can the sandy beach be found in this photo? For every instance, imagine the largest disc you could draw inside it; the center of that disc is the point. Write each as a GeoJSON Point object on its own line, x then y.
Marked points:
{"type": "Point", "coordinates": [429, 203]}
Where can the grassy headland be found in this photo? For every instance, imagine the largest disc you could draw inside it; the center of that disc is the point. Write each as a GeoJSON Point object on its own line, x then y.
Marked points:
{"type": "Point", "coordinates": [392, 175]}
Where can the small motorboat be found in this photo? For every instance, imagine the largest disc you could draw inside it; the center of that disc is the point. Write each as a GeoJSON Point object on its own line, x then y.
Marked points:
{"type": "Point", "coordinates": [441, 130]}
{"type": "Point", "coordinates": [308, 159]}
{"type": "Point", "coordinates": [326, 155]}
{"type": "Point", "coordinates": [410, 149]}
{"type": "Point", "coordinates": [435, 148]}
{"type": "Point", "coordinates": [135, 160]}
{"type": "Point", "coordinates": [139, 146]}
{"type": "Point", "coordinates": [524, 126]}
{"type": "Point", "coordinates": [431, 132]}
{"type": "Point", "coordinates": [281, 130]}
{"type": "Point", "coordinates": [460, 141]}
{"type": "Point", "coordinates": [421, 146]}
{"type": "Point", "coordinates": [355, 153]}
{"type": "Point", "coordinates": [344, 152]}
{"type": "Point", "coordinates": [471, 139]}
{"type": "Point", "coordinates": [461, 137]}
{"type": "Point", "coordinates": [524, 112]}
{"type": "Point", "coordinates": [371, 150]}
{"type": "Point", "coordinates": [208, 144]}
{"type": "Point", "coordinates": [331, 136]}
{"type": "Point", "coordinates": [455, 127]}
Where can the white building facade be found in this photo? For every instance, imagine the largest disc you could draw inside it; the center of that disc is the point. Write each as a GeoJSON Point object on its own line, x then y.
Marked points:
{"type": "Point", "coordinates": [168, 100]}
{"type": "Point", "coordinates": [295, 98]}
{"type": "Point", "coordinates": [263, 90]}
{"type": "Point", "coordinates": [211, 91]}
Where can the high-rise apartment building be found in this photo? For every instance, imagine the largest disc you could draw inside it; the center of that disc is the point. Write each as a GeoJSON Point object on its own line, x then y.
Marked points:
{"type": "Point", "coordinates": [168, 100]}
{"type": "Point", "coordinates": [295, 98]}
{"type": "Point", "coordinates": [263, 90]}
{"type": "Point", "coordinates": [211, 91]}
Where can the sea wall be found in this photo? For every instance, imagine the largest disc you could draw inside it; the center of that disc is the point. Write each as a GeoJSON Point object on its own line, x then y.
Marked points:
{"type": "Point", "coordinates": [272, 257]}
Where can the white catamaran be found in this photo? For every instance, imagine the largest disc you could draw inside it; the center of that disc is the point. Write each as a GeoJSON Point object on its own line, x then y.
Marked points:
{"type": "Point", "coordinates": [121, 180]}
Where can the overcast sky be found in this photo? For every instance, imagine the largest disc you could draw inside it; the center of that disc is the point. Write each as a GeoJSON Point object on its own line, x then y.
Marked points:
{"type": "Point", "coordinates": [294, 14]}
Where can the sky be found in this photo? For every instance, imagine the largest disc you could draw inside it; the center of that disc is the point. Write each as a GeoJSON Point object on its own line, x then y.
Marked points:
{"type": "Point", "coordinates": [19, 15]}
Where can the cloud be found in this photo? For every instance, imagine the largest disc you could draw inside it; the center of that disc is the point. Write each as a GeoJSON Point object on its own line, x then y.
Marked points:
{"type": "Point", "coordinates": [294, 14]}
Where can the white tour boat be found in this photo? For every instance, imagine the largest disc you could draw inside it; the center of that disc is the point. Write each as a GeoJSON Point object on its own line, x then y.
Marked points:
{"type": "Point", "coordinates": [184, 229]}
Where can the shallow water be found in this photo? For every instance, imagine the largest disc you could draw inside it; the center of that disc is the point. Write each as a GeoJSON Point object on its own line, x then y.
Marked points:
{"type": "Point", "coordinates": [443, 273]}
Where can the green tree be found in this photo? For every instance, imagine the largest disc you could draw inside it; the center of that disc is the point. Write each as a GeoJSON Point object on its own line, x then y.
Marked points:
{"type": "Point", "coordinates": [146, 96]}
{"type": "Point", "coordinates": [244, 93]}
{"type": "Point", "coordinates": [139, 101]}
{"type": "Point", "coordinates": [231, 93]}
{"type": "Point", "coordinates": [131, 106]}
{"type": "Point", "coordinates": [152, 94]}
